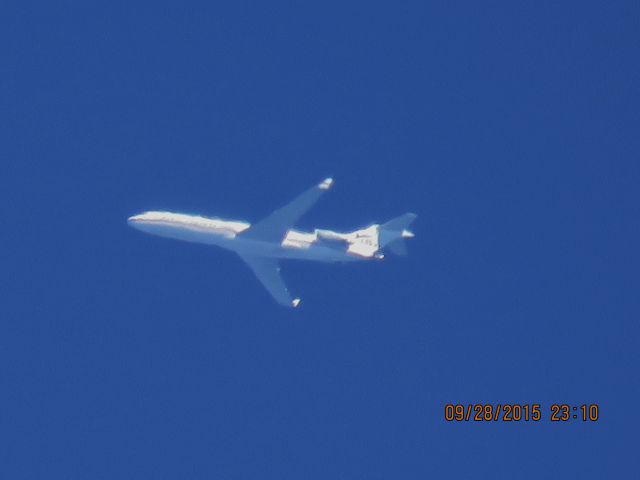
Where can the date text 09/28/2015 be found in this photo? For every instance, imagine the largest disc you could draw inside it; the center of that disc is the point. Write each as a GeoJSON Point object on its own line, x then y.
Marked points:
{"type": "Point", "coordinates": [520, 412]}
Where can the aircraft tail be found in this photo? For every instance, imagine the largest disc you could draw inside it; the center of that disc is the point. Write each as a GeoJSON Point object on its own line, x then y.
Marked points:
{"type": "Point", "coordinates": [393, 233]}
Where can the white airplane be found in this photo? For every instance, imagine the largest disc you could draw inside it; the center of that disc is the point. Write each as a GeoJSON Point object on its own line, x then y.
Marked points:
{"type": "Point", "coordinates": [261, 245]}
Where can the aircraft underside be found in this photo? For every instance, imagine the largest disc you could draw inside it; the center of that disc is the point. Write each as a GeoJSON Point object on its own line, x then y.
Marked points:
{"type": "Point", "coordinates": [261, 245]}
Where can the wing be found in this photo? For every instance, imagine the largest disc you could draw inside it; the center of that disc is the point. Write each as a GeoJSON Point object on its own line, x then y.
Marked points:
{"type": "Point", "coordinates": [268, 272]}
{"type": "Point", "coordinates": [274, 227]}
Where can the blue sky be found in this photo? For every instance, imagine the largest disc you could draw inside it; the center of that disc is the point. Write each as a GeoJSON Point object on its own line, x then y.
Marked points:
{"type": "Point", "coordinates": [510, 128]}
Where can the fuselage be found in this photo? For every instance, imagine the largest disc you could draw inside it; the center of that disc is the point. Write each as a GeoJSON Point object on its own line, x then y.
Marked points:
{"type": "Point", "coordinates": [228, 234]}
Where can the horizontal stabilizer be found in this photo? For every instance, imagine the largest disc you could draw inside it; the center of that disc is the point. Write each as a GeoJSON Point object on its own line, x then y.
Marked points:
{"type": "Point", "coordinates": [400, 223]}
{"type": "Point", "coordinates": [395, 231]}
{"type": "Point", "coordinates": [398, 247]}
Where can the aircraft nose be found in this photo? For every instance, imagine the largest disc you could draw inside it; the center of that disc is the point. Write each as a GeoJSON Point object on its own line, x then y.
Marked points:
{"type": "Point", "coordinates": [133, 219]}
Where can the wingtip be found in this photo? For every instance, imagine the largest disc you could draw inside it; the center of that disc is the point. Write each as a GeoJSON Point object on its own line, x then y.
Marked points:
{"type": "Point", "coordinates": [326, 184]}
{"type": "Point", "coordinates": [296, 302]}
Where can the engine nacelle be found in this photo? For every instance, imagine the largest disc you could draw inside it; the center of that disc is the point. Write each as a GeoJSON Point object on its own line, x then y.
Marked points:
{"type": "Point", "coordinates": [299, 239]}
{"type": "Point", "coordinates": [365, 242]}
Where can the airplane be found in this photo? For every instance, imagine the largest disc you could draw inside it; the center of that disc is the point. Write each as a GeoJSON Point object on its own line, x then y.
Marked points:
{"type": "Point", "coordinates": [264, 243]}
